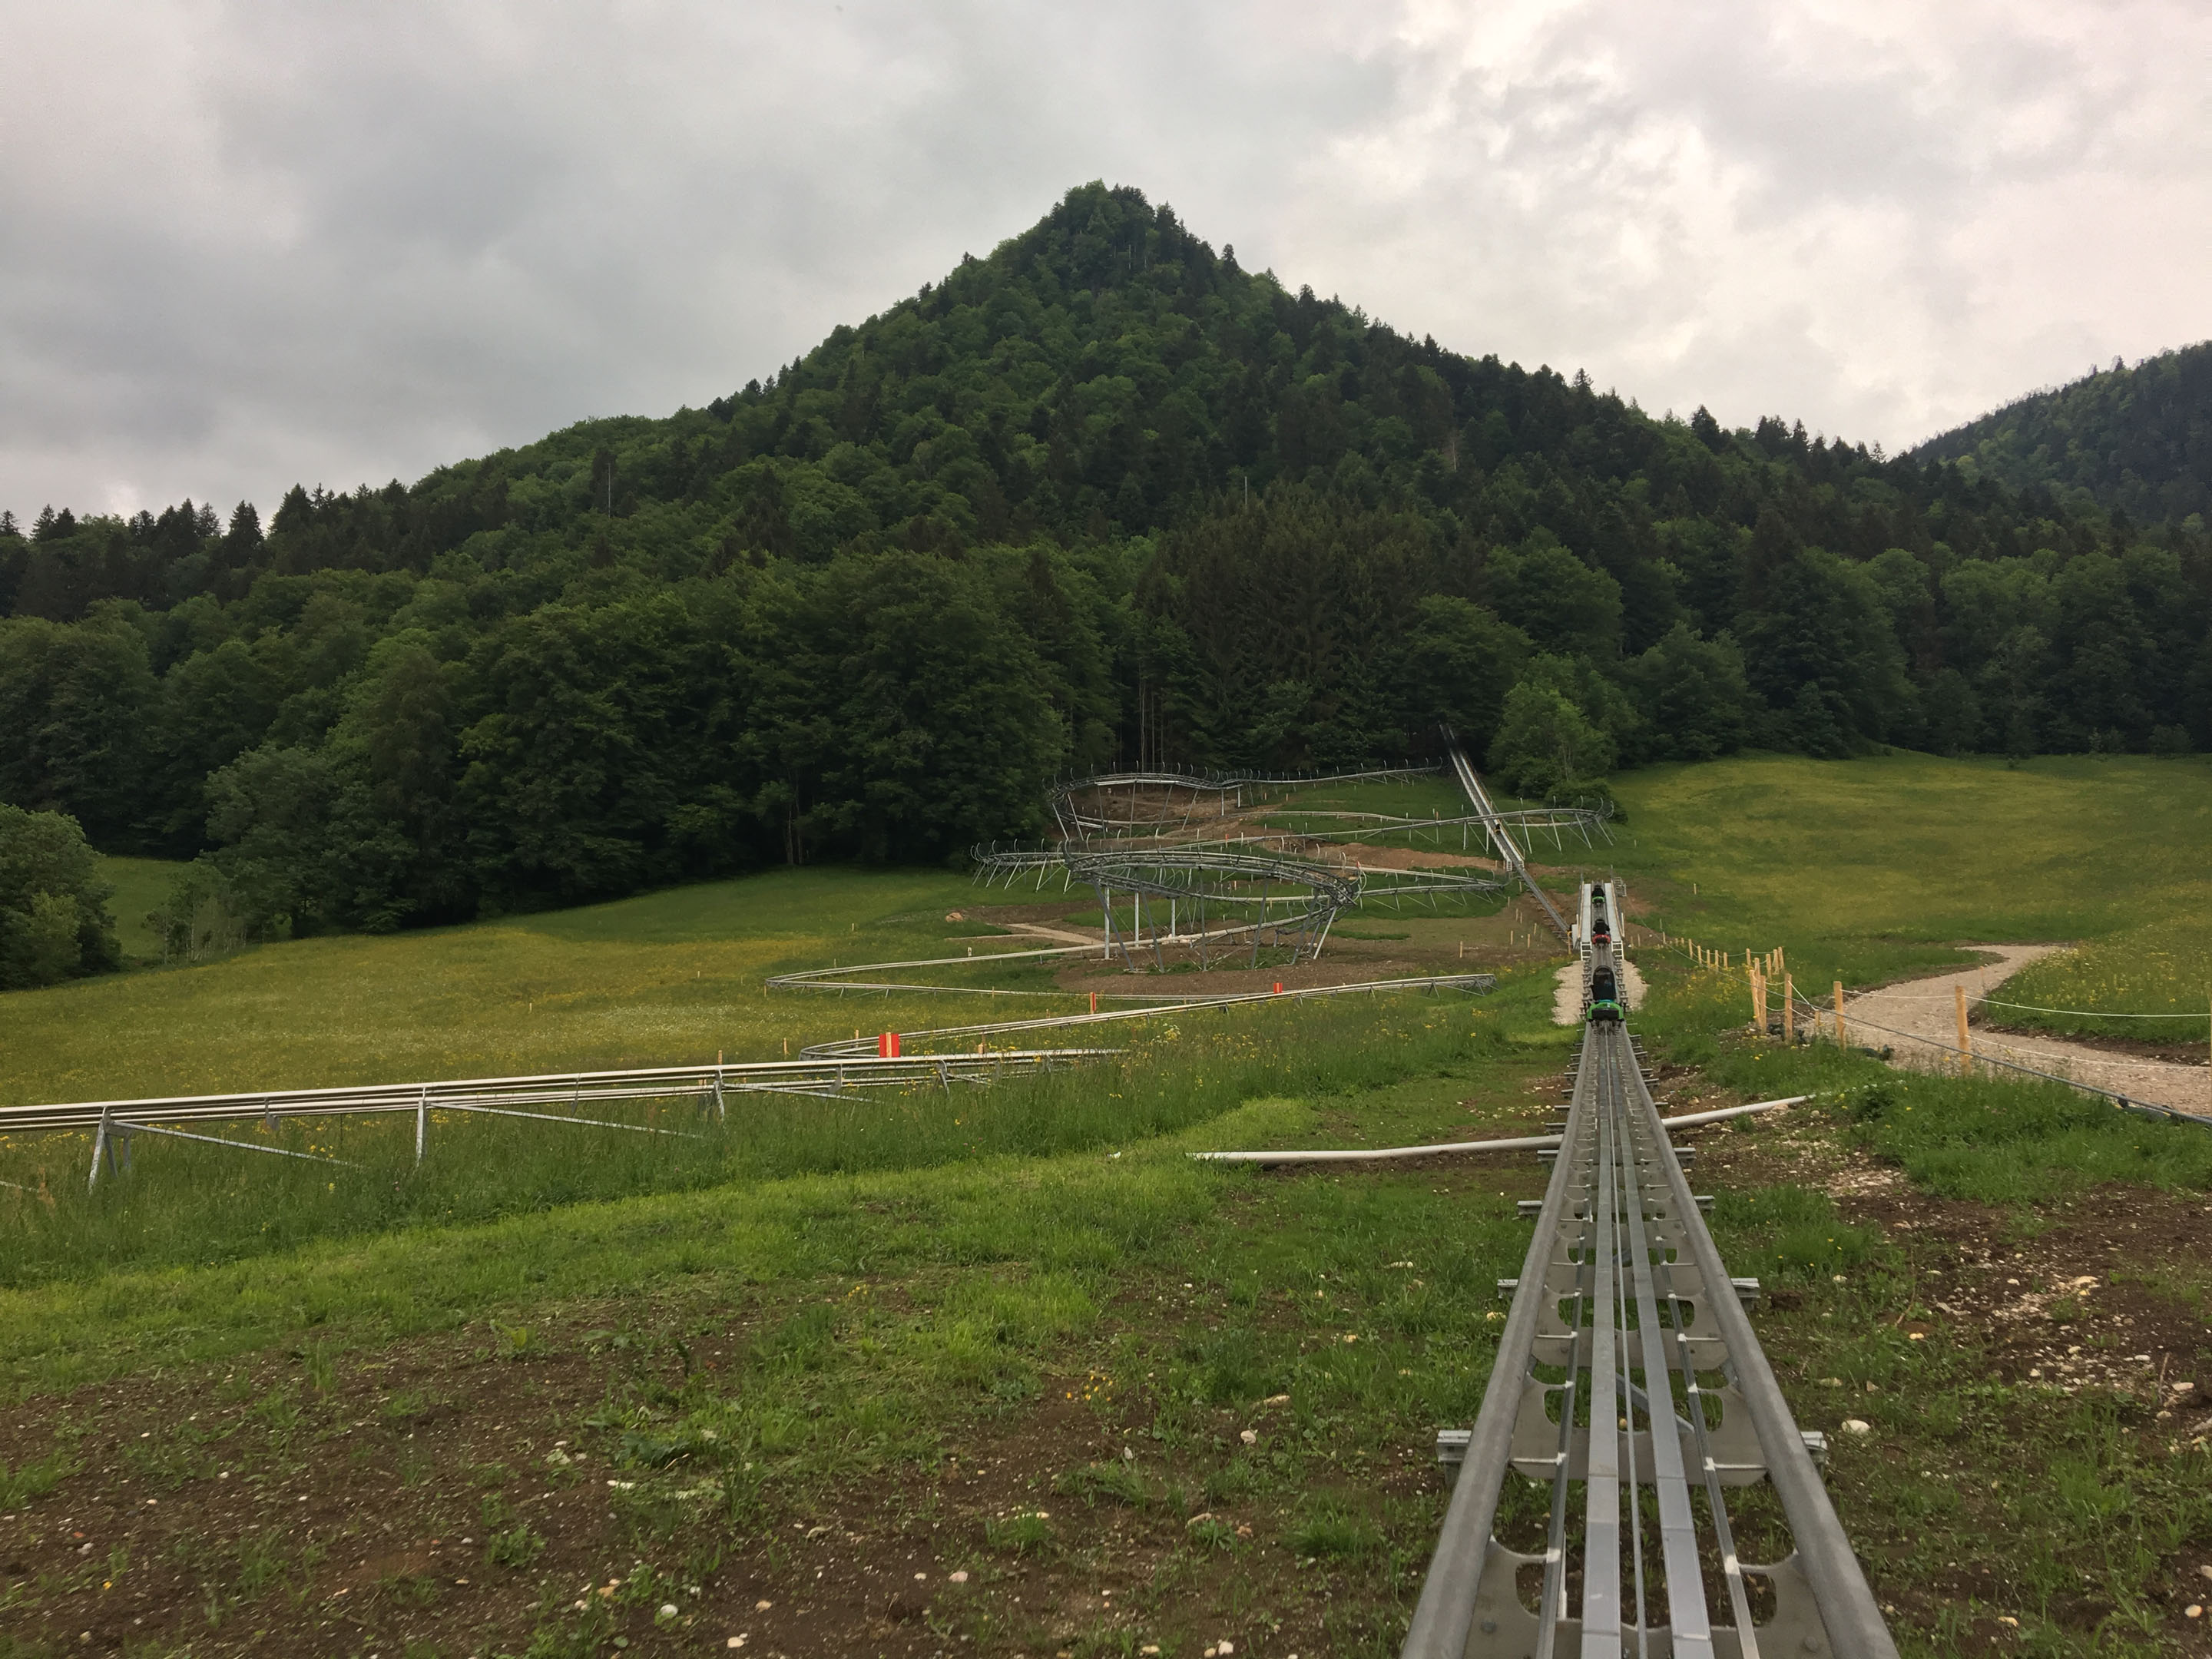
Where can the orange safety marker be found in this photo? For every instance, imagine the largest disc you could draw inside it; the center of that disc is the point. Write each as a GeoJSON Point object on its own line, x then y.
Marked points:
{"type": "Point", "coordinates": [1278, 987]}
{"type": "Point", "coordinates": [887, 1046]}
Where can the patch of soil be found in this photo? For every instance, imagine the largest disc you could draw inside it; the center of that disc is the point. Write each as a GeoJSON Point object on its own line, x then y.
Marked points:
{"type": "Point", "coordinates": [1412, 858]}
{"type": "Point", "coordinates": [2076, 1305]}
{"type": "Point", "coordinates": [2062, 1301]}
{"type": "Point", "coordinates": [355, 1519]}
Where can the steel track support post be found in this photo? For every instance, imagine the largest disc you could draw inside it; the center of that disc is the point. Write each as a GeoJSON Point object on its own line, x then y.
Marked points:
{"type": "Point", "coordinates": [99, 1147]}
{"type": "Point", "coordinates": [421, 1125]}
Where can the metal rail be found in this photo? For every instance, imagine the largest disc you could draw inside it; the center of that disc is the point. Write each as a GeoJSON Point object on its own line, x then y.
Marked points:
{"type": "Point", "coordinates": [713, 1083]}
{"type": "Point", "coordinates": [1151, 808]}
{"type": "Point", "coordinates": [1515, 1144]}
{"type": "Point", "coordinates": [1494, 828]}
{"type": "Point", "coordinates": [1294, 899]}
{"type": "Point", "coordinates": [1665, 1403]}
{"type": "Point", "coordinates": [1291, 895]}
{"type": "Point", "coordinates": [1475, 983]}
{"type": "Point", "coordinates": [1075, 822]}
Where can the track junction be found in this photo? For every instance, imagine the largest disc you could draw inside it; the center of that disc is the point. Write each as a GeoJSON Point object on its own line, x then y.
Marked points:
{"type": "Point", "coordinates": [1243, 848]}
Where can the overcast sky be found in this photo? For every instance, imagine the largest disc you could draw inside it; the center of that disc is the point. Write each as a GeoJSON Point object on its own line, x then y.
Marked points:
{"type": "Point", "coordinates": [244, 244]}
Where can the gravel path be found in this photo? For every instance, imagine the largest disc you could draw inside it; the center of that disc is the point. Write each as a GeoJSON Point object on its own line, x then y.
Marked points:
{"type": "Point", "coordinates": [1919, 1020]}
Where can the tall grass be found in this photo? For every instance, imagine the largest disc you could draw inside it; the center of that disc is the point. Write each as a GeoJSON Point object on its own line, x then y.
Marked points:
{"type": "Point", "coordinates": [184, 1203]}
{"type": "Point", "coordinates": [2162, 968]}
{"type": "Point", "coordinates": [140, 884]}
{"type": "Point", "coordinates": [2013, 1143]}
{"type": "Point", "coordinates": [1877, 868]}
{"type": "Point", "coordinates": [667, 978]}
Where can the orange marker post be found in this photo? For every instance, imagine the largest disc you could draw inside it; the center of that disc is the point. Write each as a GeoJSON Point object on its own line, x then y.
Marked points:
{"type": "Point", "coordinates": [1966, 1041]}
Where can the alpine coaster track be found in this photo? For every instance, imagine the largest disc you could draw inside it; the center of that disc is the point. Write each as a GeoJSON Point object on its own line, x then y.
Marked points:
{"type": "Point", "coordinates": [1629, 1382]}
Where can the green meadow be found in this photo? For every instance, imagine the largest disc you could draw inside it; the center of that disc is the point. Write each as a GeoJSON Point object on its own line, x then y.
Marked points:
{"type": "Point", "coordinates": [1017, 1333]}
{"type": "Point", "coordinates": [1876, 868]}
{"type": "Point", "coordinates": [665, 979]}
{"type": "Point", "coordinates": [141, 886]}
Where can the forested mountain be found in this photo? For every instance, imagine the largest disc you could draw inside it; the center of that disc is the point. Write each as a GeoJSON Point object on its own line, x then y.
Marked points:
{"type": "Point", "coordinates": [2138, 440]}
{"type": "Point", "coordinates": [1104, 495]}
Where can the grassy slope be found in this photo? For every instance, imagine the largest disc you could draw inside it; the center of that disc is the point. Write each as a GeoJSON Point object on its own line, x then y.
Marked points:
{"type": "Point", "coordinates": [1172, 1299]}
{"type": "Point", "coordinates": [871, 1325]}
{"type": "Point", "coordinates": [1871, 869]}
{"type": "Point", "coordinates": [663, 979]}
{"type": "Point", "coordinates": [140, 884]}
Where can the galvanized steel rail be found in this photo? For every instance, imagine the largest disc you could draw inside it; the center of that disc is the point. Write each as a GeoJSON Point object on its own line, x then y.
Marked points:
{"type": "Point", "coordinates": [1075, 824]}
{"type": "Point", "coordinates": [1476, 984]}
{"type": "Point", "coordinates": [712, 1082]}
{"type": "Point", "coordinates": [115, 1122]}
{"type": "Point", "coordinates": [1471, 783]}
{"type": "Point", "coordinates": [1624, 1299]}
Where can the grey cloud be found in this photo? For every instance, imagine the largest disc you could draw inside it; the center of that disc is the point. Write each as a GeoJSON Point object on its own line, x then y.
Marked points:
{"type": "Point", "coordinates": [244, 244]}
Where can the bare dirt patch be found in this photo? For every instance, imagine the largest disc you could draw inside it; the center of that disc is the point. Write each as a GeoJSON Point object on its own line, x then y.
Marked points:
{"type": "Point", "coordinates": [2092, 1291]}
{"type": "Point", "coordinates": [242, 1511]}
{"type": "Point", "coordinates": [2082, 1297]}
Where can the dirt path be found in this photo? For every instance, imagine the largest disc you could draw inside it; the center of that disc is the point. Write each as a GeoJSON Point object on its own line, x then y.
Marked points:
{"type": "Point", "coordinates": [1918, 1019]}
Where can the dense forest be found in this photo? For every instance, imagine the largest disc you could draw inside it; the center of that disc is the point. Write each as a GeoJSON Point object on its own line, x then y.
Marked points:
{"type": "Point", "coordinates": [2138, 440]}
{"type": "Point", "coordinates": [1102, 497]}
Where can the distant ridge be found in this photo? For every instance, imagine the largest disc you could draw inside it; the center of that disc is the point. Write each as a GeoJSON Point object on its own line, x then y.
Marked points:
{"type": "Point", "coordinates": [2136, 439]}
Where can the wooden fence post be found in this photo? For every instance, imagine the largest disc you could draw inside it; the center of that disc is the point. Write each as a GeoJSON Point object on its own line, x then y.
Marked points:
{"type": "Point", "coordinates": [1789, 1011]}
{"type": "Point", "coordinates": [1839, 1015]}
{"type": "Point", "coordinates": [1965, 1042]}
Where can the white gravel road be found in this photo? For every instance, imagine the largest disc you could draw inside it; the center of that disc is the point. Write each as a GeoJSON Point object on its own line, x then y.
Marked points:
{"type": "Point", "coordinates": [1918, 1018]}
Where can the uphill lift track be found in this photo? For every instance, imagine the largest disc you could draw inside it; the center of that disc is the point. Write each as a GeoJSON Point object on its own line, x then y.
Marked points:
{"type": "Point", "coordinates": [1629, 1382]}
{"type": "Point", "coordinates": [1500, 837]}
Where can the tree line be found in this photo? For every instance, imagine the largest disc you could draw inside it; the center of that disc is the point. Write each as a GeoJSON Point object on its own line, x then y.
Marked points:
{"type": "Point", "coordinates": [1102, 497]}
